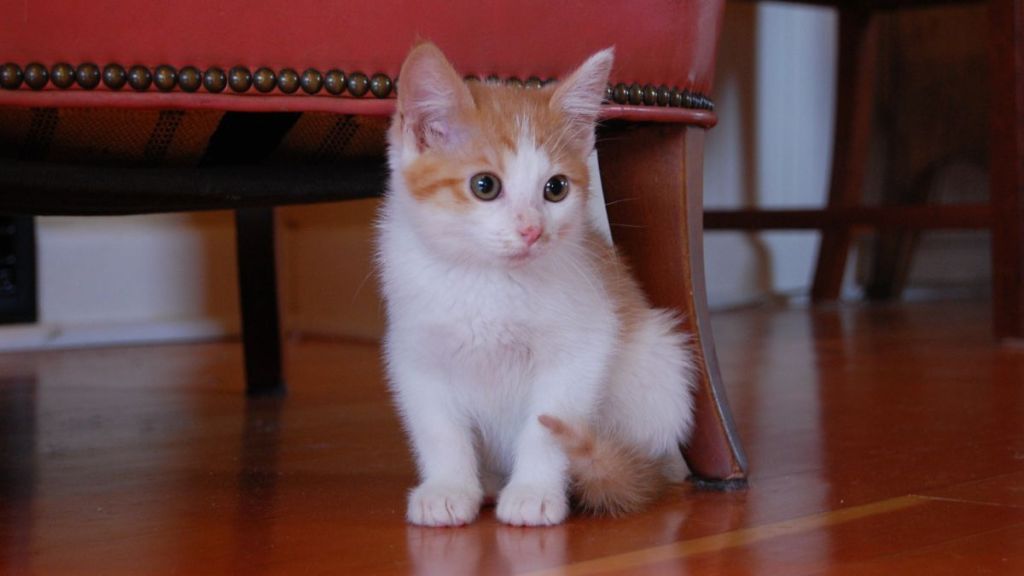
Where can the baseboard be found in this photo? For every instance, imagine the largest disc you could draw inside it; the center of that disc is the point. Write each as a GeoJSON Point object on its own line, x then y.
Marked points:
{"type": "Point", "coordinates": [57, 336]}
{"type": "Point", "coordinates": [327, 327]}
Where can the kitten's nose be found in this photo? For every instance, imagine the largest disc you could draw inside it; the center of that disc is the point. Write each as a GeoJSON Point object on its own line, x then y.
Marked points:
{"type": "Point", "coordinates": [530, 234]}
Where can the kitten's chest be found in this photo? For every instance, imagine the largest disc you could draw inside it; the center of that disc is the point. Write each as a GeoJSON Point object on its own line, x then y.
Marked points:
{"type": "Point", "coordinates": [485, 329]}
{"type": "Point", "coordinates": [480, 339]}
{"type": "Point", "coordinates": [484, 321]}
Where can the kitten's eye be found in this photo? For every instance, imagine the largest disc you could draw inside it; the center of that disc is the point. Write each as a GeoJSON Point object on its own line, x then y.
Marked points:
{"type": "Point", "coordinates": [485, 186]}
{"type": "Point", "coordinates": [556, 189]}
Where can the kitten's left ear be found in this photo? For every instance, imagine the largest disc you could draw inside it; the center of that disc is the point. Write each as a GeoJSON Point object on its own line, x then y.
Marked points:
{"type": "Point", "coordinates": [580, 95]}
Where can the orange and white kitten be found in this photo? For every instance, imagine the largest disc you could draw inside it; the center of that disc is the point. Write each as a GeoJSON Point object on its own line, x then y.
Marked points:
{"type": "Point", "coordinates": [522, 355]}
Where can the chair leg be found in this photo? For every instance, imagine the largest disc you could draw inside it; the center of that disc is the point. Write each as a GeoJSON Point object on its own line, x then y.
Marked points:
{"type": "Point", "coordinates": [246, 138]}
{"type": "Point", "coordinates": [257, 284]}
{"type": "Point", "coordinates": [892, 260]}
{"type": "Point", "coordinates": [894, 250]}
{"type": "Point", "coordinates": [652, 177]}
{"type": "Point", "coordinates": [1006, 35]}
{"type": "Point", "coordinates": [858, 40]}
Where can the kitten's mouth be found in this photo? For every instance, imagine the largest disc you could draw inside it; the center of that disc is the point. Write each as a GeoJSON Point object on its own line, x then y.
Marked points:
{"type": "Point", "coordinates": [521, 256]}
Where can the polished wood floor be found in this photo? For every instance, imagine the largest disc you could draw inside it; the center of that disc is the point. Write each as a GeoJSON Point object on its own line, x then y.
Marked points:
{"type": "Point", "coordinates": [882, 441]}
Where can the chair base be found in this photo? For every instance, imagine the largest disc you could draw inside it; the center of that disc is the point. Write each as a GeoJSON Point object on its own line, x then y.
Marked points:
{"type": "Point", "coordinates": [715, 485]}
{"type": "Point", "coordinates": [653, 175]}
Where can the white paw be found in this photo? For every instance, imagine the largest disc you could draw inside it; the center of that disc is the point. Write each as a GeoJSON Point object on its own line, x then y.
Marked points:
{"type": "Point", "coordinates": [443, 505]}
{"type": "Point", "coordinates": [523, 505]}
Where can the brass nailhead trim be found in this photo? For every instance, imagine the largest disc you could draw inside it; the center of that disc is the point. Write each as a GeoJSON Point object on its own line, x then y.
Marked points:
{"type": "Point", "coordinates": [165, 77]}
{"type": "Point", "coordinates": [240, 79]}
{"type": "Point", "coordinates": [264, 80]}
{"type": "Point", "coordinates": [114, 76]}
{"type": "Point", "coordinates": [311, 81]}
{"type": "Point", "coordinates": [215, 80]}
{"type": "Point", "coordinates": [11, 76]}
{"type": "Point", "coordinates": [647, 95]}
{"type": "Point", "coordinates": [662, 95]}
{"type": "Point", "coordinates": [358, 84]}
{"type": "Point", "coordinates": [620, 94]}
{"type": "Point", "coordinates": [380, 85]}
{"type": "Point", "coordinates": [140, 78]}
{"type": "Point", "coordinates": [190, 78]}
{"type": "Point", "coordinates": [636, 95]}
{"type": "Point", "coordinates": [334, 82]}
{"type": "Point", "coordinates": [287, 81]}
{"type": "Point", "coordinates": [88, 76]}
{"type": "Point", "coordinates": [650, 96]}
{"type": "Point", "coordinates": [36, 76]}
{"type": "Point", "coordinates": [62, 75]}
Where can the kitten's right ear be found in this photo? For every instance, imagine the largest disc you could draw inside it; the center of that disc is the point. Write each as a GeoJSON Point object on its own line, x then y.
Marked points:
{"type": "Point", "coordinates": [433, 99]}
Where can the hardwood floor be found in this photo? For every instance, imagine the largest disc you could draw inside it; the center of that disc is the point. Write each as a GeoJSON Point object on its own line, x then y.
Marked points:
{"type": "Point", "coordinates": [882, 440]}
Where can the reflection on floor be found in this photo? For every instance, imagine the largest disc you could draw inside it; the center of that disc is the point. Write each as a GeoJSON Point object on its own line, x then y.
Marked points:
{"type": "Point", "coordinates": [882, 441]}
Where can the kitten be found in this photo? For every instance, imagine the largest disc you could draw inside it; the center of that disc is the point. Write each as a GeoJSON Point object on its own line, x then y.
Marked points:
{"type": "Point", "coordinates": [522, 355]}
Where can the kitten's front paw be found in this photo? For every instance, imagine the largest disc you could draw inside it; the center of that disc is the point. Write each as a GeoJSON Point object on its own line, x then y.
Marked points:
{"type": "Point", "coordinates": [443, 505]}
{"type": "Point", "coordinates": [524, 505]}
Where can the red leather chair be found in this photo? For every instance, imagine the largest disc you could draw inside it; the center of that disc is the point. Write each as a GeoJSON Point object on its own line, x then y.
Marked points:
{"type": "Point", "coordinates": [242, 79]}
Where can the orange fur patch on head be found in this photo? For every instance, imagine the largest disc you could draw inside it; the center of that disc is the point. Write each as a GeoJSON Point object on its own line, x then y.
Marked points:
{"type": "Point", "coordinates": [449, 119]}
{"type": "Point", "coordinates": [496, 126]}
{"type": "Point", "coordinates": [503, 112]}
{"type": "Point", "coordinates": [438, 180]}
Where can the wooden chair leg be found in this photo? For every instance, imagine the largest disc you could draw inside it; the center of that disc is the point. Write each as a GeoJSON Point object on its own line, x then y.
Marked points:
{"type": "Point", "coordinates": [1006, 36]}
{"type": "Point", "coordinates": [243, 139]}
{"type": "Point", "coordinates": [892, 259]}
{"type": "Point", "coordinates": [652, 178]}
{"type": "Point", "coordinates": [257, 286]}
{"type": "Point", "coordinates": [894, 250]}
{"type": "Point", "coordinates": [854, 104]}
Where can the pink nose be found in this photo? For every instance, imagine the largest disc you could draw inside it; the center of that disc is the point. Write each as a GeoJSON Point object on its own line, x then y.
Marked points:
{"type": "Point", "coordinates": [530, 234]}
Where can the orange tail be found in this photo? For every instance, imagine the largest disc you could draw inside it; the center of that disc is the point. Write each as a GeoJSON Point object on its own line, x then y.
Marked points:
{"type": "Point", "coordinates": [608, 478]}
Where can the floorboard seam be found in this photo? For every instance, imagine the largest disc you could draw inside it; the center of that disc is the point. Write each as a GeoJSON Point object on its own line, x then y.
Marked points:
{"type": "Point", "coordinates": [968, 501]}
{"type": "Point", "coordinates": [732, 539]}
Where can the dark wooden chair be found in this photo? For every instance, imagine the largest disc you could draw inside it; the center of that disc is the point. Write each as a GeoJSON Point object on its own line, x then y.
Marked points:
{"type": "Point", "coordinates": [252, 73]}
{"type": "Point", "coordinates": [845, 212]}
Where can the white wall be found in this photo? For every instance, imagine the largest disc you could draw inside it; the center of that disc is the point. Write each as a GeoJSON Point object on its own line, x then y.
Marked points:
{"type": "Point", "coordinates": [332, 289]}
{"type": "Point", "coordinates": [132, 279]}
{"type": "Point", "coordinates": [168, 277]}
{"type": "Point", "coordinates": [772, 146]}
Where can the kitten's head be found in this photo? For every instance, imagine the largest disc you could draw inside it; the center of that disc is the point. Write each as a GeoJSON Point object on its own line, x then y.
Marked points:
{"type": "Point", "coordinates": [496, 174]}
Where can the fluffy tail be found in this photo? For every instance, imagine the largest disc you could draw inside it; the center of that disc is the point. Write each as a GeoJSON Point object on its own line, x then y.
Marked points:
{"type": "Point", "coordinates": [608, 478]}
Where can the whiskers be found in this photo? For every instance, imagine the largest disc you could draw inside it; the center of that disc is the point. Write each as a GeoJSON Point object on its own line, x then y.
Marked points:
{"type": "Point", "coordinates": [362, 285]}
{"type": "Point", "coordinates": [623, 224]}
{"type": "Point", "coordinates": [582, 263]}
{"type": "Point", "coordinates": [620, 201]}
{"type": "Point", "coordinates": [603, 136]}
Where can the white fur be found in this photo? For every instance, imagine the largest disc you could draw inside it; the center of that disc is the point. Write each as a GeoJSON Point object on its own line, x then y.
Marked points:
{"type": "Point", "coordinates": [486, 333]}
